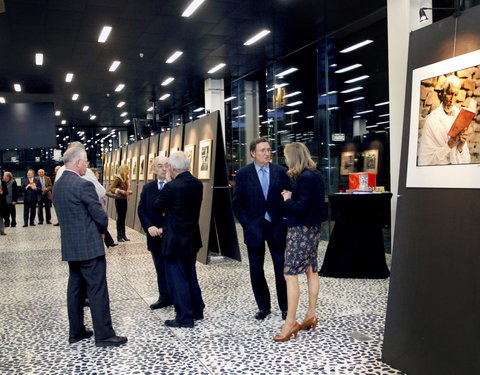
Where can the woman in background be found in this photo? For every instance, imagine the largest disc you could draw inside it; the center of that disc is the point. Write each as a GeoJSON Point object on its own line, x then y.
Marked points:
{"type": "Point", "coordinates": [120, 187]}
{"type": "Point", "coordinates": [305, 211]}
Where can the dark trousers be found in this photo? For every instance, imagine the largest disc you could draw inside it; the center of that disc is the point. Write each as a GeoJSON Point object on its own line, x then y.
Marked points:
{"type": "Point", "coordinates": [44, 202]}
{"type": "Point", "coordinates": [256, 258]}
{"type": "Point", "coordinates": [159, 262]}
{"type": "Point", "coordinates": [108, 240]}
{"type": "Point", "coordinates": [121, 206]}
{"type": "Point", "coordinates": [89, 278]}
{"type": "Point", "coordinates": [29, 209]}
{"type": "Point", "coordinates": [10, 215]}
{"type": "Point", "coordinates": [183, 287]}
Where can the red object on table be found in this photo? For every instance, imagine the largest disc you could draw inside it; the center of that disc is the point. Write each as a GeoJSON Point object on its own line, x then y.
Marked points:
{"type": "Point", "coordinates": [362, 181]}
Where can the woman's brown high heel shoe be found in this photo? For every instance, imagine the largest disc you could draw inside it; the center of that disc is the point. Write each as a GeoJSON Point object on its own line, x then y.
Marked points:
{"type": "Point", "coordinates": [306, 324]}
{"type": "Point", "coordinates": [288, 335]}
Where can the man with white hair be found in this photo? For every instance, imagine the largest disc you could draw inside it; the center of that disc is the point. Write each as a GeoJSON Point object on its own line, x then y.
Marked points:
{"type": "Point", "coordinates": [181, 200]}
{"type": "Point", "coordinates": [152, 223]}
{"type": "Point", "coordinates": [83, 222]}
{"type": "Point", "coordinates": [436, 147]}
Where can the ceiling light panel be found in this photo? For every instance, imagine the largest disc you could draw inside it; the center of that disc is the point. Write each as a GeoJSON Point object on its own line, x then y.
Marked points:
{"type": "Point", "coordinates": [121, 104]}
{"type": "Point", "coordinates": [230, 98]}
{"type": "Point", "coordinates": [2, 100]}
{"type": "Point", "coordinates": [192, 8]}
{"type": "Point", "coordinates": [123, 114]}
{"type": "Point", "coordinates": [217, 68]}
{"type": "Point", "coordinates": [348, 68]}
{"type": "Point", "coordinates": [58, 113]}
{"type": "Point", "coordinates": [17, 87]}
{"type": "Point", "coordinates": [294, 103]}
{"type": "Point", "coordinates": [69, 77]}
{"type": "Point", "coordinates": [164, 96]}
{"type": "Point", "coordinates": [39, 58]}
{"type": "Point", "coordinates": [174, 56]}
{"type": "Point", "coordinates": [351, 90]}
{"type": "Point", "coordinates": [102, 38]}
{"type": "Point", "coordinates": [168, 81]}
{"type": "Point", "coordinates": [256, 37]}
{"type": "Point", "coordinates": [361, 78]}
{"type": "Point", "coordinates": [354, 99]}
{"type": "Point", "coordinates": [75, 96]}
{"type": "Point", "coordinates": [85, 108]}
{"type": "Point", "coordinates": [295, 93]}
{"type": "Point", "coordinates": [119, 87]}
{"type": "Point", "coordinates": [114, 66]}
{"type": "Point", "coordinates": [286, 72]}
{"type": "Point", "coordinates": [356, 46]}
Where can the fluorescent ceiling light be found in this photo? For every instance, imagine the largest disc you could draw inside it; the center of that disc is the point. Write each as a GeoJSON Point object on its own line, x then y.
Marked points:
{"type": "Point", "coordinates": [93, 117]}
{"type": "Point", "coordinates": [126, 121]}
{"type": "Point", "coordinates": [64, 122]}
{"type": "Point", "coordinates": [293, 94]}
{"type": "Point", "coordinates": [102, 38]}
{"type": "Point", "coordinates": [348, 68]}
{"type": "Point", "coordinates": [58, 113]}
{"type": "Point", "coordinates": [192, 8]}
{"type": "Point", "coordinates": [330, 93]}
{"type": "Point", "coordinates": [256, 37]}
{"type": "Point", "coordinates": [333, 65]}
{"type": "Point", "coordinates": [383, 122]}
{"type": "Point", "coordinates": [371, 126]}
{"type": "Point", "coordinates": [292, 123]}
{"type": "Point", "coordinates": [240, 116]}
{"type": "Point", "coordinates": [120, 105]}
{"type": "Point", "coordinates": [384, 115]}
{"type": "Point", "coordinates": [60, 129]}
{"type": "Point", "coordinates": [17, 87]}
{"type": "Point", "coordinates": [271, 89]}
{"type": "Point", "coordinates": [230, 98]}
{"type": "Point", "coordinates": [356, 116]}
{"type": "Point", "coordinates": [367, 111]}
{"type": "Point", "coordinates": [123, 114]}
{"type": "Point", "coordinates": [69, 77]}
{"type": "Point", "coordinates": [361, 78]}
{"type": "Point", "coordinates": [310, 116]}
{"type": "Point", "coordinates": [379, 104]}
{"type": "Point", "coordinates": [174, 56]}
{"type": "Point", "coordinates": [285, 72]}
{"type": "Point", "coordinates": [199, 109]}
{"type": "Point", "coordinates": [85, 108]}
{"type": "Point", "coordinates": [356, 46]}
{"type": "Point", "coordinates": [150, 109]}
{"type": "Point", "coordinates": [39, 58]}
{"type": "Point", "coordinates": [75, 96]}
{"type": "Point", "coordinates": [202, 115]}
{"type": "Point", "coordinates": [235, 108]}
{"type": "Point", "coordinates": [164, 96]}
{"type": "Point", "coordinates": [333, 108]}
{"type": "Point", "coordinates": [279, 86]}
{"type": "Point", "coordinates": [351, 90]}
{"type": "Point", "coordinates": [295, 103]}
{"type": "Point", "coordinates": [119, 87]}
{"type": "Point", "coordinates": [292, 112]}
{"type": "Point", "coordinates": [114, 66]}
{"type": "Point", "coordinates": [354, 99]}
{"type": "Point", "coordinates": [216, 68]}
{"type": "Point", "coordinates": [2, 100]}
{"type": "Point", "coordinates": [167, 81]}
{"type": "Point", "coordinates": [103, 129]}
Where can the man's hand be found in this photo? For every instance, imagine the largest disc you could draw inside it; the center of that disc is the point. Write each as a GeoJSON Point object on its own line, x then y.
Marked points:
{"type": "Point", "coordinates": [154, 231]}
{"type": "Point", "coordinates": [286, 194]}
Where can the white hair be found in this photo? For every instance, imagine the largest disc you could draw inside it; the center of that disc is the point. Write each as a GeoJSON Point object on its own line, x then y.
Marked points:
{"type": "Point", "coordinates": [73, 154]}
{"type": "Point", "coordinates": [451, 81]}
{"type": "Point", "coordinates": [179, 161]}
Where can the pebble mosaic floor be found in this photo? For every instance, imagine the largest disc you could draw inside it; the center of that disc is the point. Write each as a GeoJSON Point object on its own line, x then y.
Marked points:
{"type": "Point", "coordinates": [34, 325]}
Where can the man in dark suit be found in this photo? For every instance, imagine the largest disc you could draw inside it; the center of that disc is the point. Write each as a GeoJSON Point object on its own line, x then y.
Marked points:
{"type": "Point", "coordinates": [258, 206]}
{"type": "Point", "coordinates": [152, 223]}
{"type": "Point", "coordinates": [31, 188]}
{"type": "Point", "coordinates": [83, 223]}
{"type": "Point", "coordinates": [44, 197]}
{"type": "Point", "coordinates": [181, 200]}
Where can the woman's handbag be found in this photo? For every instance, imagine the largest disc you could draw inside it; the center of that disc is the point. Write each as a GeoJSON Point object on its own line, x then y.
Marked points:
{"type": "Point", "coordinates": [113, 195]}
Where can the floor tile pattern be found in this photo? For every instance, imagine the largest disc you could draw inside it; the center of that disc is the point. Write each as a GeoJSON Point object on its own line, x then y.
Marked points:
{"type": "Point", "coordinates": [34, 326]}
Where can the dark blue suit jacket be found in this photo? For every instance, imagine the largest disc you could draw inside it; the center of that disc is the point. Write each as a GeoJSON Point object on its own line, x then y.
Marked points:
{"type": "Point", "coordinates": [249, 204]}
{"type": "Point", "coordinates": [148, 216]}
{"type": "Point", "coordinates": [30, 195]}
{"type": "Point", "coordinates": [181, 200]}
{"type": "Point", "coordinates": [307, 206]}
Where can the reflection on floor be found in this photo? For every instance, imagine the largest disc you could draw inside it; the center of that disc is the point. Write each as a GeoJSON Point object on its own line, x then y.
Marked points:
{"type": "Point", "coordinates": [34, 327]}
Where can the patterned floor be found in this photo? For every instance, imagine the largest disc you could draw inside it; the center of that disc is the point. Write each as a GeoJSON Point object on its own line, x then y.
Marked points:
{"type": "Point", "coordinates": [34, 326]}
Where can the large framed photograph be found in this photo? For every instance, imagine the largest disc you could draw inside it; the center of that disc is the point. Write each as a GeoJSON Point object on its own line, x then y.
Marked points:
{"type": "Point", "coordinates": [141, 168]}
{"type": "Point", "coordinates": [444, 133]}
{"type": "Point", "coordinates": [205, 159]}
{"type": "Point", "coordinates": [190, 152]}
{"type": "Point", "coordinates": [370, 161]}
{"type": "Point", "coordinates": [347, 162]}
{"type": "Point", "coordinates": [151, 156]}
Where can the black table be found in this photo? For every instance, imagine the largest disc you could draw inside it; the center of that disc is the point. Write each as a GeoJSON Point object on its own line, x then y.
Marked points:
{"type": "Point", "coordinates": [356, 249]}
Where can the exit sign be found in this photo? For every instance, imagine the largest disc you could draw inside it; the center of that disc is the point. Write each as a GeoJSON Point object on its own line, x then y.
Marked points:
{"type": "Point", "coordinates": [338, 137]}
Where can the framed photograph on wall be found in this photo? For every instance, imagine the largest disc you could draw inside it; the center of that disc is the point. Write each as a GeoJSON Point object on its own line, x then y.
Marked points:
{"type": "Point", "coordinates": [190, 152]}
{"type": "Point", "coordinates": [370, 161]}
{"type": "Point", "coordinates": [163, 153]}
{"type": "Point", "coordinates": [133, 170]}
{"type": "Point", "coordinates": [141, 168]}
{"type": "Point", "coordinates": [106, 172]}
{"type": "Point", "coordinates": [444, 142]}
{"type": "Point", "coordinates": [151, 156]}
{"type": "Point", "coordinates": [174, 149]}
{"type": "Point", "coordinates": [205, 159]}
{"type": "Point", "coordinates": [347, 162]}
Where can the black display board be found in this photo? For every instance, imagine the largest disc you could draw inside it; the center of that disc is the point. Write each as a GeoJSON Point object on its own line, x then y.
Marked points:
{"type": "Point", "coordinates": [432, 324]}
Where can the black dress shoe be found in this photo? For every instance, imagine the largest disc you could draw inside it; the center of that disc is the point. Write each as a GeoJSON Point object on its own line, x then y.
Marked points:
{"type": "Point", "coordinates": [111, 341]}
{"type": "Point", "coordinates": [56, 225]}
{"type": "Point", "coordinates": [160, 305]}
{"type": "Point", "coordinates": [120, 239]}
{"type": "Point", "coordinates": [25, 225]}
{"type": "Point", "coordinates": [262, 314]}
{"type": "Point", "coordinates": [49, 222]}
{"type": "Point", "coordinates": [77, 338]}
{"type": "Point", "coordinates": [40, 223]}
{"type": "Point", "coordinates": [13, 225]}
{"type": "Point", "coordinates": [125, 238]}
{"type": "Point", "coordinates": [198, 316]}
{"type": "Point", "coordinates": [284, 315]}
{"type": "Point", "coordinates": [175, 324]}
{"type": "Point", "coordinates": [32, 224]}
{"type": "Point", "coordinates": [112, 245]}
{"type": "Point", "coordinates": [86, 303]}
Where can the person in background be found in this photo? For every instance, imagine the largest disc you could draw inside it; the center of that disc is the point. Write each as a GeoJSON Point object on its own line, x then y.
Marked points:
{"type": "Point", "coordinates": [305, 211]}
{"type": "Point", "coordinates": [258, 206]}
{"type": "Point", "coordinates": [3, 203]}
{"type": "Point", "coordinates": [55, 171]}
{"type": "Point", "coordinates": [82, 225]}
{"type": "Point", "coordinates": [120, 187]}
{"type": "Point", "coordinates": [108, 239]}
{"type": "Point", "coordinates": [44, 197]}
{"type": "Point", "coordinates": [181, 200]}
{"type": "Point", "coordinates": [11, 197]}
{"type": "Point", "coordinates": [31, 188]}
{"type": "Point", "coordinates": [152, 224]}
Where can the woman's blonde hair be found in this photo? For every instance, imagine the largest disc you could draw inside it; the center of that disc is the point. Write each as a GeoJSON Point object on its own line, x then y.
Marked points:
{"type": "Point", "coordinates": [298, 158]}
{"type": "Point", "coordinates": [123, 172]}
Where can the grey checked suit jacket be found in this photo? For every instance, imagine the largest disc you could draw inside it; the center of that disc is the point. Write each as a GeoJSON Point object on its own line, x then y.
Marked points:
{"type": "Point", "coordinates": [81, 218]}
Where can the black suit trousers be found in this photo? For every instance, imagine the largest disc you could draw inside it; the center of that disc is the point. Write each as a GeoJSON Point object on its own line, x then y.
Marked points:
{"type": "Point", "coordinates": [121, 205]}
{"type": "Point", "coordinates": [44, 202]}
{"type": "Point", "coordinates": [183, 287]}
{"type": "Point", "coordinates": [256, 258]}
{"type": "Point", "coordinates": [89, 278]}
{"type": "Point", "coordinates": [10, 214]}
{"type": "Point", "coordinates": [29, 210]}
{"type": "Point", "coordinates": [159, 262]}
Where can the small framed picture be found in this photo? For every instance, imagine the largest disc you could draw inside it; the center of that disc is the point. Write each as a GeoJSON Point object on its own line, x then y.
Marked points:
{"type": "Point", "coordinates": [370, 161]}
{"type": "Point", "coordinates": [151, 156]}
{"type": "Point", "coordinates": [205, 158]}
{"type": "Point", "coordinates": [141, 168]}
{"type": "Point", "coordinates": [347, 162]}
{"type": "Point", "coordinates": [190, 152]}
{"type": "Point", "coordinates": [133, 170]}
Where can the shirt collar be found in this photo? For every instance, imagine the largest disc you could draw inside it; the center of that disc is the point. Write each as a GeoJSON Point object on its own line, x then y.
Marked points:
{"type": "Point", "coordinates": [71, 170]}
{"type": "Point", "coordinates": [266, 167]}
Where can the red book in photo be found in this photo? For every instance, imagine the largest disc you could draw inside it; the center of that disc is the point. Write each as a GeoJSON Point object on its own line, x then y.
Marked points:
{"type": "Point", "coordinates": [462, 121]}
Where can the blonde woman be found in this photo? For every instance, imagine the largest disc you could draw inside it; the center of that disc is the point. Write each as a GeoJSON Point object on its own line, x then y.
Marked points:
{"type": "Point", "coordinates": [305, 211]}
{"type": "Point", "coordinates": [120, 187]}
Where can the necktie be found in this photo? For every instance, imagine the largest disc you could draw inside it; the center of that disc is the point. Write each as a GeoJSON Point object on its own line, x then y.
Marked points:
{"type": "Point", "coordinates": [264, 181]}
{"type": "Point", "coordinates": [160, 185]}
